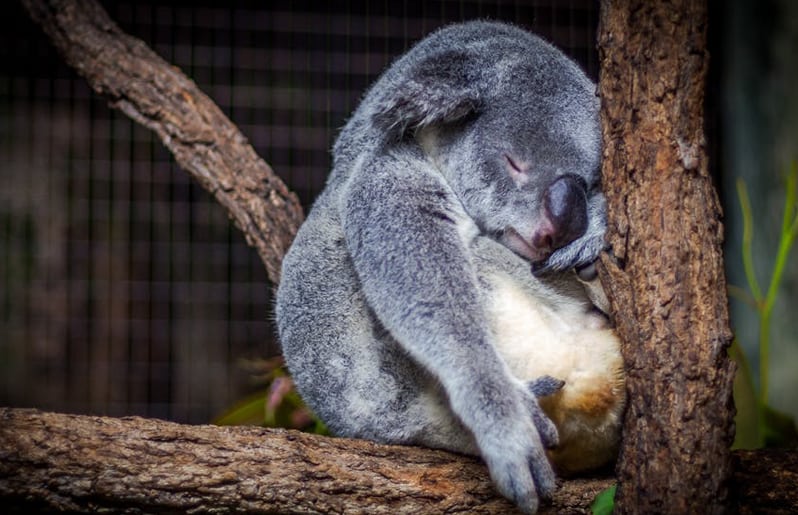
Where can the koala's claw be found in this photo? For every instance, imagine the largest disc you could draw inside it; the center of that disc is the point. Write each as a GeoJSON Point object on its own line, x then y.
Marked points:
{"type": "Point", "coordinates": [588, 272]}
{"type": "Point", "coordinates": [580, 254]}
{"type": "Point", "coordinates": [524, 478]}
{"type": "Point", "coordinates": [546, 429]}
{"type": "Point", "coordinates": [514, 481]}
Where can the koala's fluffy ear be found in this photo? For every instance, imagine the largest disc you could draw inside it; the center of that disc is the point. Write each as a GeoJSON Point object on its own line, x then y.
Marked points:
{"type": "Point", "coordinates": [437, 89]}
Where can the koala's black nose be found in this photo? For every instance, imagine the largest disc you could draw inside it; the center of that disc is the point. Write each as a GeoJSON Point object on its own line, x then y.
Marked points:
{"type": "Point", "coordinates": [566, 209]}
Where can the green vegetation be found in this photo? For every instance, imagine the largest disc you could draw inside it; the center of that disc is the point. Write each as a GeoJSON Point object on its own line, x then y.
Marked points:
{"type": "Point", "coordinates": [604, 502]}
{"type": "Point", "coordinates": [278, 405]}
{"type": "Point", "coordinates": [758, 424]}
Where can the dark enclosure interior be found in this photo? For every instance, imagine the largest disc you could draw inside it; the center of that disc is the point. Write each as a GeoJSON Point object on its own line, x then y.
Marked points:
{"type": "Point", "coordinates": [124, 288]}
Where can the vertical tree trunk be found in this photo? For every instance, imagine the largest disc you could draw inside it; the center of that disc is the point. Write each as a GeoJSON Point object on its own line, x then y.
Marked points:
{"type": "Point", "coordinates": [666, 284]}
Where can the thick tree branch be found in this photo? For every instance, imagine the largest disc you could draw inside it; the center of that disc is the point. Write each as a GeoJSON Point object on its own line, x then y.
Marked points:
{"type": "Point", "coordinates": [80, 463]}
{"type": "Point", "coordinates": [159, 96]}
{"type": "Point", "coordinates": [51, 462]}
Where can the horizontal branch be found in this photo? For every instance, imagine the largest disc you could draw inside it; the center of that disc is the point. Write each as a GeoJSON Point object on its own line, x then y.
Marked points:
{"type": "Point", "coordinates": [159, 96]}
{"type": "Point", "coordinates": [51, 461]}
{"type": "Point", "coordinates": [80, 463]}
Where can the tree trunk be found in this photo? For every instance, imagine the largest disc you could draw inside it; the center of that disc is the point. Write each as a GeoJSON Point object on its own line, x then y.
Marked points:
{"type": "Point", "coordinates": [52, 462]}
{"type": "Point", "coordinates": [666, 281]}
{"type": "Point", "coordinates": [160, 97]}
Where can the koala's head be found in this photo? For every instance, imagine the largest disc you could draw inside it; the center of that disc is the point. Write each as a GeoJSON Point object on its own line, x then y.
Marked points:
{"type": "Point", "coordinates": [512, 124]}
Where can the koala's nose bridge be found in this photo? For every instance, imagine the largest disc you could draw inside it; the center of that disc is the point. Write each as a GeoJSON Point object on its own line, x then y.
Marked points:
{"type": "Point", "coordinates": [566, 209]}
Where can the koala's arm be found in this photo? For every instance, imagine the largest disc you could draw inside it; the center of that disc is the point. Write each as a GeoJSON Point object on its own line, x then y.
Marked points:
{"type": "Point", "coordinates": [406, 233]}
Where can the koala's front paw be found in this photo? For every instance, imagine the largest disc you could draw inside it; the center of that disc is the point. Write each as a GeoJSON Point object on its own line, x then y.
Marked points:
{"type": "Point", "coordinates": [579, 254]}
{"type": "Point", "coordinates": [516, 457]}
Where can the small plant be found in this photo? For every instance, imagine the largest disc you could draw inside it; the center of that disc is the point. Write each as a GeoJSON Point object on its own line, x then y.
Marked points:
{"type": "Point", "coordinates": [758, 424]}
{"type": "Point", "coordinates": [279, 405]}
{"type": "Point", "coordinates": [604, 503]}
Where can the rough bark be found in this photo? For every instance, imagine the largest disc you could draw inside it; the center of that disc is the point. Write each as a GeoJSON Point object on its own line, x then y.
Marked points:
{"type": "Point", "coordinates": [54, 462]}
{"type": "Point", "coordinates": [666, 282]}
{"type": "Point", "coordinates": [80, 463]}
{"type": "Point", "coordinates": [159, 96]}
{"type": "Point", "coordinates": [764, 482]}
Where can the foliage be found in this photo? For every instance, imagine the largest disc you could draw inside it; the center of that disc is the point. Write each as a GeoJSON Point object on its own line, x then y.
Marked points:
{"type": "Point", "coordinates": [604, 502]}
{"type": "Point", "coordinates": [758, 424]}
{"type": "Point", "coordinates": [279, 405]}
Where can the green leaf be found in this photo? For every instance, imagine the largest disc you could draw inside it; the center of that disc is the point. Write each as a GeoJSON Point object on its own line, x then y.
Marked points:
{"type": "Point", "coordinates": [604, 502]}
{"type": "Point", "coordinates": [250, 411]}
{"type": "Point", "coordinates": [757, 423]}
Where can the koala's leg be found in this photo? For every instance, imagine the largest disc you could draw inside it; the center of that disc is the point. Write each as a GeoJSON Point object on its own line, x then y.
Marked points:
{"type": "Point", "coordinates": [406, 235]}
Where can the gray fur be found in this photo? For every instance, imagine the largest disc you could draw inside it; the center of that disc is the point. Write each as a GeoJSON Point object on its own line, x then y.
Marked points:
{"type": "Point", "coordinates": [381, 305]}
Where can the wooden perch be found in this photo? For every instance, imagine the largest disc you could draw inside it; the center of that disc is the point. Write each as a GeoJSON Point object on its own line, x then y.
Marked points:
{"type": "Point", "coordinates": [79, 463]}
{"type": "Point", "coordinates": [160, 97]}
{"type": "Point", "coordinates": [51, 461]}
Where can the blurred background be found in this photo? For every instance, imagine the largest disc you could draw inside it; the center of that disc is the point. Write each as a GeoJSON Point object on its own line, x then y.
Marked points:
{"type": "Point", "coordinates": [125, 289]}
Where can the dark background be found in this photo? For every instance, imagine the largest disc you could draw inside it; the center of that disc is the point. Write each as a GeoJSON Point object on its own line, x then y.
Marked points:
{"type": "Point", "coordinates": [124, 288]}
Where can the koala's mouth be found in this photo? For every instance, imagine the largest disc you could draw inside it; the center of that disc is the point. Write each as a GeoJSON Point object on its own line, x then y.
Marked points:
{"type": "Point", "coordinates": [511, 239]}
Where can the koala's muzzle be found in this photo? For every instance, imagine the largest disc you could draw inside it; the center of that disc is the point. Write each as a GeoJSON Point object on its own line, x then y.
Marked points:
{"type": "Point", "coordinates": [565, 205]}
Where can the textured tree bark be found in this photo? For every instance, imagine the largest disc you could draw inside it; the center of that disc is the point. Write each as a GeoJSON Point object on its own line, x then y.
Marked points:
{"type": "Point", "coordinates": [666, 282]}
{"type": "Point", "coordinates": [159, 96]}
{"type": "Point", "coordinates": [52, 462]}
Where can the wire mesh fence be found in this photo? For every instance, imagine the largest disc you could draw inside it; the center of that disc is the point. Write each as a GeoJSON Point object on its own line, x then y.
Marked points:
{"type": "Point", "coordinates": [124, 288]}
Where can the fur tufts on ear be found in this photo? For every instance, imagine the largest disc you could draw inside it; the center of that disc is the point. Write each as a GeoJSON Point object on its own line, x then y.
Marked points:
{"type": "Point", "coordinates": [436, 90]}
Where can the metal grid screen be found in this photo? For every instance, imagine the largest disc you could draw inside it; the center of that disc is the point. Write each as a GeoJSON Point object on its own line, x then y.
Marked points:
{"type": "Point", "coordinates": [124, 288]}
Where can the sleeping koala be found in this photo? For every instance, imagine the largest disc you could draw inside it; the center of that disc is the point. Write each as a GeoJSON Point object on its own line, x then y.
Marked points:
{"type": "Point", "coordinates": [408, 310]}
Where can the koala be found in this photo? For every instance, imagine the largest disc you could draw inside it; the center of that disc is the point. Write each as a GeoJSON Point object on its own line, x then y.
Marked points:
{"type": "Point", "coordinates": [430, 297]}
